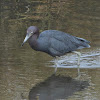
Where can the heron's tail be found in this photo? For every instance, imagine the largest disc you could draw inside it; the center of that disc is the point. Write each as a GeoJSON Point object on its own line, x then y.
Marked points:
{"type": "Point", "coordinates": [83, 43]}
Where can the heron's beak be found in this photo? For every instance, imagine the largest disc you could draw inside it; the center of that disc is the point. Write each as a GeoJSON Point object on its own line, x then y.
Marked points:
{"type": "Point", "coordinates": [26, 38]}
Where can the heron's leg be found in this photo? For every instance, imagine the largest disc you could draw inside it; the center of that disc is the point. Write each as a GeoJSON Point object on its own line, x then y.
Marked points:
{"type": "Point", "coordinates": [56, 63]}
{"type": "Point", "coordinates": [79, 54]}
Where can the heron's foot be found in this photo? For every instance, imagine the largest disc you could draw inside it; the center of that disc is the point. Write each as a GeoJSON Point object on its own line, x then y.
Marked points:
{"type": "Point", "coordinates": [80, 75]}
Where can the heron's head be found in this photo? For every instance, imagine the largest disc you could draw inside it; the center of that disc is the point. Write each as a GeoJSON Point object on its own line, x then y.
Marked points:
{"type": "Point", "coordinates": [30, 31]}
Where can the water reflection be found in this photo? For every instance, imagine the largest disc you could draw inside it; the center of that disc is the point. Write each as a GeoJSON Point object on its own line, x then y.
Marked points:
{"type": "Point", "coordinates": [56, 87]}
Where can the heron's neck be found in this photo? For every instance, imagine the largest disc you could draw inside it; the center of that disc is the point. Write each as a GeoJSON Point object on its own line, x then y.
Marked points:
{"type": "Point", "coordinates": [33, 41]}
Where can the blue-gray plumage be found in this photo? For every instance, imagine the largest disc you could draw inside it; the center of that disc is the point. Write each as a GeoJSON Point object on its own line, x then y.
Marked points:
{"type": "Point", "coordinates": [53, 42]}
{"type": "Point", "coordinates": [57, 43]}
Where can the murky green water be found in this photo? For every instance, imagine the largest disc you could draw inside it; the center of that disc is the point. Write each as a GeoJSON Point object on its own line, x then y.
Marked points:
{"type": "Point", "coordinates": [27, 74]}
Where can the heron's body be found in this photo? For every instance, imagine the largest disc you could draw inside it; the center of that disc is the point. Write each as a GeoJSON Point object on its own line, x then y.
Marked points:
{"type": "Point", "coordinates": [56, 43]}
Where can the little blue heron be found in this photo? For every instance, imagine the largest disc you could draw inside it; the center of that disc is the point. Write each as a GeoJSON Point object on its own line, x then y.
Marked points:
{"type": "Point", "coordinates": [55, 43]}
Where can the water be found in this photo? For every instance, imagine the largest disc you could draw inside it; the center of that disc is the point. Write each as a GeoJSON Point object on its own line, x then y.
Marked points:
{"type": "Point", "coordinates": [27, 74]}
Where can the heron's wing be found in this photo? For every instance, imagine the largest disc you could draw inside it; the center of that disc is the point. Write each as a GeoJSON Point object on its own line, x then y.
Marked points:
{"type": "Point", "coordinates": [61, 44]}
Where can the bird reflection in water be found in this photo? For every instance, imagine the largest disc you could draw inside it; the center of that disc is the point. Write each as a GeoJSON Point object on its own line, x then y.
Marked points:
{"type": "Point", "coordinates": [57, 87]}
